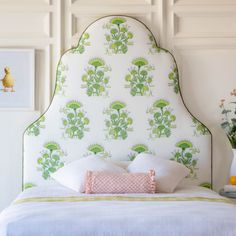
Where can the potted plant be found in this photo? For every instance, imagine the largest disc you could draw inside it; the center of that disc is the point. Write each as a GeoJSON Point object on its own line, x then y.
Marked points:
{"type": "Point", "coordinates": [228, 111]}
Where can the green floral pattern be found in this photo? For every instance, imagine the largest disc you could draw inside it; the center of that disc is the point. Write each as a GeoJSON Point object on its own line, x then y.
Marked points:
{"type": "Point", "coordinates": [137, 149]}
{"type": "Point", "coordinates": [75, 123]}
{"type": "Point", "coordinates": [97, 149]}
{"type": "Point", "coordinates": [121, 87]}
{"type": "Point", "coordinates": [83, 43]}
{"type": "Point", "coordinates": [61, 79]}
{"type": "Point", "coordinates": [34, 129]}
{"type": "Point", "coordinates": [50, 159]}
{"type": "Point", "coordinates": [206, 185]}
{"type": "Point", "coordinates": [153, 46]}
{"type": "Point", "coordinates": [185, 154]}
{"type": "Point", "coordinates": [119, 122]}
{"type": "Point", "coordinates": [200, 129]}
{"type": "Point", "coordinates": [96, 79]}
{"type": "Point", "coordinates": [29, 185]}
{"type": "Point", "coordinates": [174, 78]}
{"type": "Point", "coordinates": [162, 120]}
{"type": "Point", "coordinates": [139, 79]}
{"type": "Point", "coordinates": [119, 37]}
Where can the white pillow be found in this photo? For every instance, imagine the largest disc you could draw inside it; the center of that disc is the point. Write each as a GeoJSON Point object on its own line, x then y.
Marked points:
{"type": "Point", "coordinates": [168, 173]}
{"type": "Point", "coordinates": [122, 164]}
{"type": "Point", "coordinates": [73, 174]}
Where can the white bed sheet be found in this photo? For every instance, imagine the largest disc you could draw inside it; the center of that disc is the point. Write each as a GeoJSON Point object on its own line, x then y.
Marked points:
{"type": "Point", "coordinates": [57, 211]}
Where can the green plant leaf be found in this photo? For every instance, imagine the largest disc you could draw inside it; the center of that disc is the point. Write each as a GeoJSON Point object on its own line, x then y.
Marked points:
{"type": "Point", "coordinates": [96, 62]}
{"type": "Point", "coordinates": [117, 105]}
{"type": "Point", "coordinates": [140, 62]}
{"type": "Point", "coordinates": [184, 144]}
{"type": "Point", "coordinates": [29, 185]}
{"type": "Point", "coordinates": [119, 37]}
{"type": "Point", "coordinates": [206, 185]}
{"type": "Point", "coordinates": [80, 48]}
{"type": "Point", "coordinates": [74, 105]}
{"type": "Point", "coordinates": [95, 78]}
{"type": "Point", "coordinates": [139, 148]}
{"type": "Point", "coordinates": [95, 148]}
{"type": "Point", "coordinates": [52, 146]}
{"type": "Point", "coordinates": [161, 103]}
{"type": "Point", "coordinates": [118, 20]}
{"type": "Point", "coordinates": [118, 122]}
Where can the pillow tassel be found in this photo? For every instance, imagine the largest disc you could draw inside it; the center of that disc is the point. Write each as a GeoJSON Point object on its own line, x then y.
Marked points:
{"type": "Point", "coordinates": [88, 186]}
{"type": "Point", "coordinates": [153, 181]}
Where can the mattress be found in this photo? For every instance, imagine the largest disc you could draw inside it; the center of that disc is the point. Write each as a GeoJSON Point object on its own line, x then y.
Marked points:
{"type": "Point", "coordinates": [58, 211]}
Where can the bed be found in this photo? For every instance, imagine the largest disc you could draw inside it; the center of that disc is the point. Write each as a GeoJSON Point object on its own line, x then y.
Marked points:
{"type": "Point", "coordinates": [55, 210]}
{"type": "Point", "coordinates": [117, 95]}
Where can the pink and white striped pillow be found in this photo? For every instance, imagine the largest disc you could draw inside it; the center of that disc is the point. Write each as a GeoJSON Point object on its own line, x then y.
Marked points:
{"type": "Point", "coordinates": [109, 182]}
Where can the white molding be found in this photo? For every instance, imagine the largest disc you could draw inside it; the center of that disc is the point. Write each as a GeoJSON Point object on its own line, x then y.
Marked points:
{"type": "Point", "coordinates": [203, 11]}
{"type": "Point", "coordinates": [68, 24]}
{"type": "Point", "coordinates": [176, 34]}
{"type": "Point", "coordinates": [92, 3]}
{"type": "Point", "coordinates": [46, 85]}
{"type": "Point", "coordinates": [159, 19]}
{"type": "Point", "coordinates": [204, 46]}
{"type": "Point", "coordinates": [175, 21]}
{"type": "Point", "coordinates": [114, 9]}
{"type": "Point", "coordinates": [203, 2]}
{"type": "Point", "coordinates": [149, 11]}
{"type": "Point", "coordinates": [37, 8]}
{"type": "Point", "coordinates": [55, 47]}
{"type": "Point", "coordinates": [36, 42]}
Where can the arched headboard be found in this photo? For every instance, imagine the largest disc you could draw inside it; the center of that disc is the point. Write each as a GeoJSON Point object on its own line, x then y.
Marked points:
{"type": "Point", "coordinates": [117, 94]}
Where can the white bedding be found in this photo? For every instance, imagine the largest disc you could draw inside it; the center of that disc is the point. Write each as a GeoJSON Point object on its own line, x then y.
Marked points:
{"type": "Point", "coordinates": [57, 211]}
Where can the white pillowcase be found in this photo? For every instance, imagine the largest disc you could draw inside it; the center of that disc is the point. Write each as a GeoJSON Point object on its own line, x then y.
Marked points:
{"type": "Point", "coordinates": [122, 164]}
{"type": "Point", "coordinates": [73, 174]}
{"type": "Point", "coordinates": [168, 173]}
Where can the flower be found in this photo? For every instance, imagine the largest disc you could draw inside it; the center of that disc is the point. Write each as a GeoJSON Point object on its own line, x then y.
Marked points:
{"type": "Point", "coordinates": [140, 62]}
{"type": "Point", "coordinates": [229, 118]}
{"type": "Point", "coordinates": [118, 20]}
{"type": "Point", "coordinates": [233, 93]}
{"type": "Point", "coordinates": [95, 148]}
{"type": "Point", "coordinates": [222, 103]}
{"type": "Point", "coordinates": [117, 105]}
{"type": "Point", "coordinates": [96, 62]}
{"type": "Point", "coordinates": [139, 148]}
{"type": "Point", "coordinates": [74, 105]}
{"type": "Point", "coordinates": [161, 103]}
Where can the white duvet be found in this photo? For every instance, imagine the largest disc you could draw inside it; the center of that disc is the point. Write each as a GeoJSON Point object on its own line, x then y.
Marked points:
{"type": "Point", "coordinates": [57, 211]}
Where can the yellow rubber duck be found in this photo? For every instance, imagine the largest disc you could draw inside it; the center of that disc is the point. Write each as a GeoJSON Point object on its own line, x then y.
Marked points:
{"type": "Point", "coordinates": [8, 81]}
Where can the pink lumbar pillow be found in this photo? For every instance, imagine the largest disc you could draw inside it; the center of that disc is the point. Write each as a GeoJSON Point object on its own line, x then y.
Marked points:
{"type": "Point", "coordinates": [110, 182]}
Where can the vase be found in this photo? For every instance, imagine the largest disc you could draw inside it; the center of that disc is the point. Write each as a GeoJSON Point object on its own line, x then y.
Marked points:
{"type": "Point", "coordinates": [233, 164]}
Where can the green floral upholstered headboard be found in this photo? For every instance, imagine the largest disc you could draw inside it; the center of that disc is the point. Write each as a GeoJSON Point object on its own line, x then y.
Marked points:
{"type": "Point", "coordinates": [117, 94]}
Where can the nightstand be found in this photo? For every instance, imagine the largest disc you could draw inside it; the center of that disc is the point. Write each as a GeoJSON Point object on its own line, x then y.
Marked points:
{"type": "Point", "coordinates": [230, 195]}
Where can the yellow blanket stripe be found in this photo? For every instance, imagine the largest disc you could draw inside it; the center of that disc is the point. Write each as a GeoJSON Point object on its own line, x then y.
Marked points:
{"type": "Point", "coordinates": [119, 198]}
